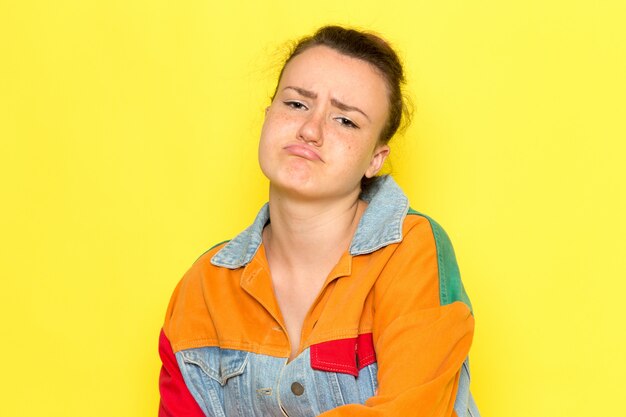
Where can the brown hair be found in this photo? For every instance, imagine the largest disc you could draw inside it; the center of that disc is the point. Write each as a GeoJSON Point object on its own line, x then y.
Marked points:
{"type": "Point", "coordinates": [372, 49]}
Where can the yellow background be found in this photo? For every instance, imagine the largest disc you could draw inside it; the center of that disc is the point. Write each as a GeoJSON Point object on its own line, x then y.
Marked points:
{"type": "Point", "coordinates": [128, 147]}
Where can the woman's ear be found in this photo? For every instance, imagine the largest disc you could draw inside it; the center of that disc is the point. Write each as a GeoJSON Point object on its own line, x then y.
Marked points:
{"type": "Point", "coordinates": [378, 159]}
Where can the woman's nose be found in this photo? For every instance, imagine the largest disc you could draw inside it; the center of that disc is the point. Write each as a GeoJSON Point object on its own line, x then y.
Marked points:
{"type": "Point", "coordinates": [312, 129]}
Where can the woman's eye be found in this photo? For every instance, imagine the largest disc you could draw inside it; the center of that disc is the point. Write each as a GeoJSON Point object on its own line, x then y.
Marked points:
{"type": "Point", "coordinates": [347, 122]}
{"type": "Point", "coordinates": [295, 105]}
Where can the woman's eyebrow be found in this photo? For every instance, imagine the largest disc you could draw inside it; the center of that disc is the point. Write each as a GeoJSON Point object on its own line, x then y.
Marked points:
{"type": "Point", "coordinates": [333, 101]}
{"type": "Point", "coordinates": [302, 91]}
{"type": "Point", "coordinates": [346, 107]}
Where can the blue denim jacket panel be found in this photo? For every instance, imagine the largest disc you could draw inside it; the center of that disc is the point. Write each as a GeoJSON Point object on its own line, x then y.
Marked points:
{"type": "Point", "coordinates": [240, 251]}
{"type": "Point", "coordinates": [380, 225]}
{"type": "Point", "coordinates": [464, 405]}
{"type": "Point", "coordinates": [233, 383]}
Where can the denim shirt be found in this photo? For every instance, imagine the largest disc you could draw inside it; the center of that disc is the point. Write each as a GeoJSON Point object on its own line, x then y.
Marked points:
{"type": "Point", "coordinates": [241, 383]}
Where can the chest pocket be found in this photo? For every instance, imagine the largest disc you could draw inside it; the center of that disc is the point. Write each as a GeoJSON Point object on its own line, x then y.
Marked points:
{"type": "Point", "coordinates": [213, 376]}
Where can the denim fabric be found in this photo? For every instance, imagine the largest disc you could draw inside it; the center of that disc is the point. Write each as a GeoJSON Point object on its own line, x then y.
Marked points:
{"type": "Point", "coordinates": [380, 225]}
{"type": "Point", "coordinates": [464, 405]}
{"type": "Point", "coordinates": [236, 383]}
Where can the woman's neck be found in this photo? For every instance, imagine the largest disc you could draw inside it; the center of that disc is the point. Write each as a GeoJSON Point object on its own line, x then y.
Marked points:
{"type": "Point", "coordinates": [304, 233]}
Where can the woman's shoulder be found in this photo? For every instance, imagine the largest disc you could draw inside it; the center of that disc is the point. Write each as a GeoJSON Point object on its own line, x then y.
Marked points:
{"type": "Point", "coordinates": [195, 277]}
{"type": "Point", "coordinates": [420, 226]}
{"type": "Point", "coordinates": [422, 229]}
{"type": "Point", "coordinates": [188, 313]}
{"type": "Point", "coordinates": [424, 238]}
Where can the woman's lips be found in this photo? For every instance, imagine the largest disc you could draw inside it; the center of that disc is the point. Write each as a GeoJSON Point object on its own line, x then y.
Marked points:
{"type": "Point", "coordinates": [303, 151]}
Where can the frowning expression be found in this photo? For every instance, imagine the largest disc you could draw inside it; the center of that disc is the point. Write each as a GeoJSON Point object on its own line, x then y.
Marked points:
{"type": "Point", "coordinates": [320, 134]}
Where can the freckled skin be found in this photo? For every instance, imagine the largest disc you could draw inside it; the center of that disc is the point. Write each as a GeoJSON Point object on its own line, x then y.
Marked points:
{"type": "Point", "coordinates": [346, 140]}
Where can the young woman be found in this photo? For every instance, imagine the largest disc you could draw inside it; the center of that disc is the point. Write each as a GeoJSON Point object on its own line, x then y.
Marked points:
{"type": "Point", "coordinates": [338, 300]}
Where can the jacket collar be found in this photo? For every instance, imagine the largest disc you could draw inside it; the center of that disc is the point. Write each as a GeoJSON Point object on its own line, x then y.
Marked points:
{"type": "Point", "coordinates": [380, 225]}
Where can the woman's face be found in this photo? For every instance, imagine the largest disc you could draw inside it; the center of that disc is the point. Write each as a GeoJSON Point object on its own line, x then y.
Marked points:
{"type": "Point", "coordinates": [320, 134]}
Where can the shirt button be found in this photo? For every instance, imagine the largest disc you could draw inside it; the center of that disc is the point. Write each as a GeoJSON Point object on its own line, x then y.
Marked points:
{"type": "Point", "coordinates": [297, 388]}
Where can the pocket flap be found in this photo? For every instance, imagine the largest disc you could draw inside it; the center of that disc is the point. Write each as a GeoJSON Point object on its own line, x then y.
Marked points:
{"type": "Point", "coordinates": [219, 364]}
{"type": "Point", "coordinates": [346, 356]}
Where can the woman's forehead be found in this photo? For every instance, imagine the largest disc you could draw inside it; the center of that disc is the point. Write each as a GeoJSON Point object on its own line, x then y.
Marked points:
{"type": "Point", "coordinates": [323, 70]}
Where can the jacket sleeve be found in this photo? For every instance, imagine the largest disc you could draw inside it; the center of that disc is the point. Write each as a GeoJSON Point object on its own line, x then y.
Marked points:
{"type": "Point", "coordinates": [176, 400]}
{"type": "Point", "coordinates": [422, 331]}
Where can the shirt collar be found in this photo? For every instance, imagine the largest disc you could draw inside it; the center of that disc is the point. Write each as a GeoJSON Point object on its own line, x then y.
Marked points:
{"type": "Point", "coordinates": [380, 225]}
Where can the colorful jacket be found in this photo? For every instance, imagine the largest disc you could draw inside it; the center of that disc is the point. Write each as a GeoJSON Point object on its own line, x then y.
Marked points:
{"type": "Point", "coordinates": [388, 335]}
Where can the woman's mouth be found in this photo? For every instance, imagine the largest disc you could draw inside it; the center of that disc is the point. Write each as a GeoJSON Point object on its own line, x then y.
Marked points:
{"type": "Point", "coordinates": [303, 151]}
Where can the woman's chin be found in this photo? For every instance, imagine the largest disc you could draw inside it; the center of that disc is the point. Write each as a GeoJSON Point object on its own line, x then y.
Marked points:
{"type": "Point", "coordinates": [306, 189]}
{"type": "Point", "coordinates": [295, 177]}
{"type": "Point", "coordinates": [296, 186]}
